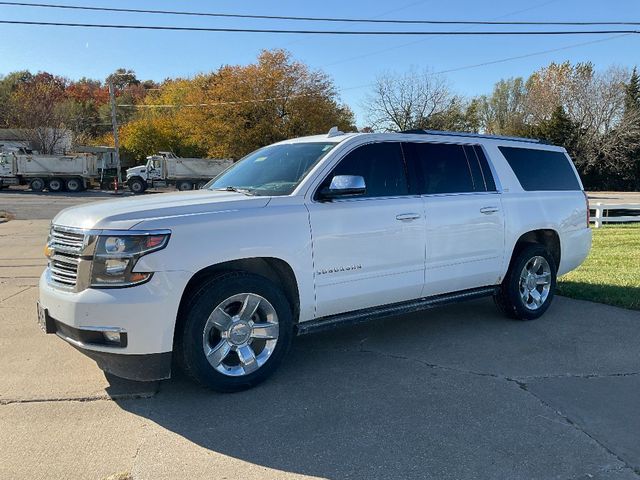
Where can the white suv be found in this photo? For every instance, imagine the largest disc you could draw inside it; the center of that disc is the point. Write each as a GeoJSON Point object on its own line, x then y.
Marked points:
{"type": "Point", "coordinates": [309, 234]}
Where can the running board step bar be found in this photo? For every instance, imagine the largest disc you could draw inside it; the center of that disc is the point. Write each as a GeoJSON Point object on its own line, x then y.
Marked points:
{"type": "Point", "coordinates": [373, 313]}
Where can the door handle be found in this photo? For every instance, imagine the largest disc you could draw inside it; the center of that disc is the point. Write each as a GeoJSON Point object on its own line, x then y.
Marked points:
{"type": "Point", "coordinates": [405, 217]}
{"type": "Point", "coordinates": [489, 210]}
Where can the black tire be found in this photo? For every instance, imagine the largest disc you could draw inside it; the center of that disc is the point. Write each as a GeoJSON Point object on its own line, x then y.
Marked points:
{"type": "Point", "coordinates": [199, 185]}
{"type": "Point", "coordinates": [55, 185]}
{"type": "Point", "coordinates": [137, 185]}
{"type": "Point", "coordinates": [37, 184]}
{"type": "Point", "coordinates": [184, 185]}
{"type": "Point", "coordinates": [190, 350]}
{"type": "Point", "coordinates": [509, 297]}
{"type": "Point", "coordinates": [75, 185]}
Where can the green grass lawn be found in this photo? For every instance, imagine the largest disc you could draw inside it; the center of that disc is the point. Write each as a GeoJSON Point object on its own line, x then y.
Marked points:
{"type": "Point", "coordinates": [611, 272]}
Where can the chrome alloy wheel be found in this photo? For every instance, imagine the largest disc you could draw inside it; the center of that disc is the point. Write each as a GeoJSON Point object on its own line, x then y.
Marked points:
{"type": "Point", "coordinates": [535, 282]}
{"type": "Point", "coordinates": [240, 334]}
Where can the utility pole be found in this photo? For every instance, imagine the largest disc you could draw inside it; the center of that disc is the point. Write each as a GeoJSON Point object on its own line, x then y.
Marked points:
{"type": "Point", "coordinates": [114, 123]}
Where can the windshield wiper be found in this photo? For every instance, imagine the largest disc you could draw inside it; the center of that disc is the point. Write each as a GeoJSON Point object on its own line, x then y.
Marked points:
{"type": "Point", "coordinates": [230, 188]}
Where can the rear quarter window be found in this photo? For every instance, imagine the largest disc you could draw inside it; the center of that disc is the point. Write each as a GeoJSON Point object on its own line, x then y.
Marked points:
{"type": "Point", "coordinates": [541, 169]}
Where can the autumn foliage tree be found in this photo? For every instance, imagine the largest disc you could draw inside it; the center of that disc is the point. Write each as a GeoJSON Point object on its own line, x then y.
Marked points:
{"type": "Point", "coordinates": [238, 108]}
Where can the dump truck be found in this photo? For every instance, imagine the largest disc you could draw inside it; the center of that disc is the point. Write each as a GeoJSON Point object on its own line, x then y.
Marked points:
{"type": "Point", "coordinates": [166, 169]}
{"type": "Point", "coordinates": [74, 172]}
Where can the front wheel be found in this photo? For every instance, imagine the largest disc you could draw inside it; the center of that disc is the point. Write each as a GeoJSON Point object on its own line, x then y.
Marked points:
{"type": "Point", "coordinates": [238, 328]}
{"type": "Point", "coordinates": [530, 284]}
{"type": "Point", "coordinates": [137, 185]}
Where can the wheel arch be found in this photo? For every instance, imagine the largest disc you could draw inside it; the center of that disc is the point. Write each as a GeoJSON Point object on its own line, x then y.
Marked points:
{"type": "Point", "coordinates": [274, 269]}
{"type": "Point", "coordinates": [547, 237]}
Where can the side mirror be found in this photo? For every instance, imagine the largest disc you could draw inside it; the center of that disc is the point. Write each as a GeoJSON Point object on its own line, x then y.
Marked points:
{"type": "Point", "coordinates": [344, 186]}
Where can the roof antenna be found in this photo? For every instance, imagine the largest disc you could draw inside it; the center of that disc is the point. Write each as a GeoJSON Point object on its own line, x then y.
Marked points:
{"type": "Point", "coordinates": [334, 132]}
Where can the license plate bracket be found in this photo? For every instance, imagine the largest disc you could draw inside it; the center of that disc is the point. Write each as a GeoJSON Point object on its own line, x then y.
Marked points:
{"type": "Point", "coordinates": [45, 322]}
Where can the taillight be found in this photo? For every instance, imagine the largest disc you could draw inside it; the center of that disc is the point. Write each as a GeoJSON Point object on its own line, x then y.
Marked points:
{"type": "Point", "coordinates": [586, 201]}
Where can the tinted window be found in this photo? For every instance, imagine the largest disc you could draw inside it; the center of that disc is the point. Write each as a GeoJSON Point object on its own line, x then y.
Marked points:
{"type": "Point", "coordinates": [380, 164]}
{"type": "Point", "coordinates": [440, 168]}
{"type": "Point", "coordinates": [486, 171]}
{"type": "Point", "coordinates": [541, 169]}
{"type": "Point", "coordinates": [474, 167]}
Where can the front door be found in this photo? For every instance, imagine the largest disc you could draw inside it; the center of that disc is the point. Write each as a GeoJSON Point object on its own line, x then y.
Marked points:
{"type": "Point", "coordinates": [368, 250]}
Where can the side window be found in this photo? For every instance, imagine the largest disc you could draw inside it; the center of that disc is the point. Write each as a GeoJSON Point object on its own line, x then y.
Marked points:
{"type": "Point", "coordinates": [380, 164]}
{"type": "Point", "coordinates": [476, 171]}
{"type": "Point", "coordinates": [441, 168]}
{"type": "Point", "coordinates": [541, 169]}
{"type": "Point", "coordinates": [486, 170]}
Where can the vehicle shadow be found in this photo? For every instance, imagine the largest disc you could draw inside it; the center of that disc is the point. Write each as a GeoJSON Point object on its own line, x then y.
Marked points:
{"type": "Point", "coordinates": [371, 401]}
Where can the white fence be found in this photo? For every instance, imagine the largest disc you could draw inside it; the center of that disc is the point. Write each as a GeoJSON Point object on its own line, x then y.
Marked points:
{"type": "Point", "coordinates": [602, 213]}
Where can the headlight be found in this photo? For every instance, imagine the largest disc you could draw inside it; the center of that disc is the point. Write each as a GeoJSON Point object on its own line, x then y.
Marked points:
{"type": "Point", "coordinates": [116, 256]}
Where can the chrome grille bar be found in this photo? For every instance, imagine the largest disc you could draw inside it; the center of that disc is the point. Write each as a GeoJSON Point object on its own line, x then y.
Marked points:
{"type": "Point", "coordinates": [67, 246]}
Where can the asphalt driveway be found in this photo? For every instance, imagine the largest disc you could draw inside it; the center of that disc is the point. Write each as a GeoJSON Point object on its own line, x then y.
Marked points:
{"type": "Point", "coordinates": [456, 392]}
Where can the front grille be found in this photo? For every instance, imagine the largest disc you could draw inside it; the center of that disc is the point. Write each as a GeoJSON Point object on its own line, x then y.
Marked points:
{"type": "Point", "coordinates": [67, 246]}
{"type": "Point", "coordinates": [63, 239]}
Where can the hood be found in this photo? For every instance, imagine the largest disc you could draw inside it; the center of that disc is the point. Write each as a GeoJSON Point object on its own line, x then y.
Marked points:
{"type": "Point", "coordinates": [125, 213]}
{"type": "Point", "coordinates": [134, 170]}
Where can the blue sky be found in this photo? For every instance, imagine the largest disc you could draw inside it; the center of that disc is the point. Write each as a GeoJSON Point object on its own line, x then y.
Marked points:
{"type": "Point", "coordinates": [351, 61]}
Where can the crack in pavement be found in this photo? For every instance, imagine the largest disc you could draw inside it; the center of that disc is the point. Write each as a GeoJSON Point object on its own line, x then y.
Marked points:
{"type": "Point", "coordinates": [577, 427]}
{"type": "Point", "coordinates": [523, 386]}
{"type": "Point", "coordinates": [15, 294]}
{"type": "Point", "coordinates": [91, 398]}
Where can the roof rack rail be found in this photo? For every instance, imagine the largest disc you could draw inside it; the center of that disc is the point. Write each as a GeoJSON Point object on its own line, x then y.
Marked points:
{"type": "Point", "coordinates": [474, 135]}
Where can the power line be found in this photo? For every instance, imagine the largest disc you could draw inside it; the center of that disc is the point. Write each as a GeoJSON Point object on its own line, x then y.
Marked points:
{"type": "Point", "coordinates": [532, 54]}
{"type": "Point", "coordinates": [321, 32]}
{"type": "Point", "coordinates": [357, 87]}
{"type": "Point", "coordinates": [309, 19]}
{"type": "Point", "coordinates": [215, 104]}
{"type": "Point", "coordinates": [423, 40]}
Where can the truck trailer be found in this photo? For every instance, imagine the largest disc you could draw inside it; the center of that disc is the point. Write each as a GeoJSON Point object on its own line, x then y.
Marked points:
{"type": "Point", "coordinates": [74, 172]}
{"type": "Point", "coordinates": [166, 169]}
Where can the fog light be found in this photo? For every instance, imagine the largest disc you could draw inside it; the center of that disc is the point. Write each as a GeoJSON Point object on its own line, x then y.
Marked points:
{"type": "Point", "coordinates": [112, 337]}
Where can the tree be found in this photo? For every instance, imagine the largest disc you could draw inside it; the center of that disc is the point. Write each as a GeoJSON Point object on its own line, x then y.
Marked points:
{"type": "Point", "coordinates": [237, 109]}
{"type": "Point", "coordinates": [35, 107]}
{"type": "Point", "coordinates": [632, 93]}
{"type": "Point", "coordinates": [122, 78]}
{"type": "Point", "coordinates": [559, 130]}
{"type": "Point", "coordinates": [407, 101]}
{"type": "Point", "coordinates": [8, 86]}
{"type": "Point", "coordinates": [503, 112]}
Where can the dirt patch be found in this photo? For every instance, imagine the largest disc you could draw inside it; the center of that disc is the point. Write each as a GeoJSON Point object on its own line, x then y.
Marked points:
{"type": "Point", "coordinates": [6, 216]}
{"type": "Point", "coordinates": [119, 476]}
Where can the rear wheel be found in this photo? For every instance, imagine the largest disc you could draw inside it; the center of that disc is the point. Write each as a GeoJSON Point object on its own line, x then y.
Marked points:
{"type": "Point", "coordinates": [237, 329]}
{"type": "Point", "coordinates": [530, 284]}
{"type": "Point", "coordinates": [74, 185]}
{"type": "Point", "coordinates": [184, 185]}
{"type": "Point", "coordinates": [200, 185]}
{"type": "Point", "coordinates": [137, 185]}
{"type": "Point", "coordinates": [55, 185]}
{"type": "Point", "coordinates": [37, 184]}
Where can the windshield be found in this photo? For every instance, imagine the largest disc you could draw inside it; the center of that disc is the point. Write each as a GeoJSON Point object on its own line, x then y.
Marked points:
{"type": "Point", "coordinates": [272, 170]}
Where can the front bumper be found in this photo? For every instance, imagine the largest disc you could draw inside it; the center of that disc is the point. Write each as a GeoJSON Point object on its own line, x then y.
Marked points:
{"type": "Point", "coordinates": [145, 314]}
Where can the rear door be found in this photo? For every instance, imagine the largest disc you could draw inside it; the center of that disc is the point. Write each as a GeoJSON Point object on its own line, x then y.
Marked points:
{"type": "Point", "coordinates": [368, 250]}
{"type": "Point", "coordinates": [464, 219]}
